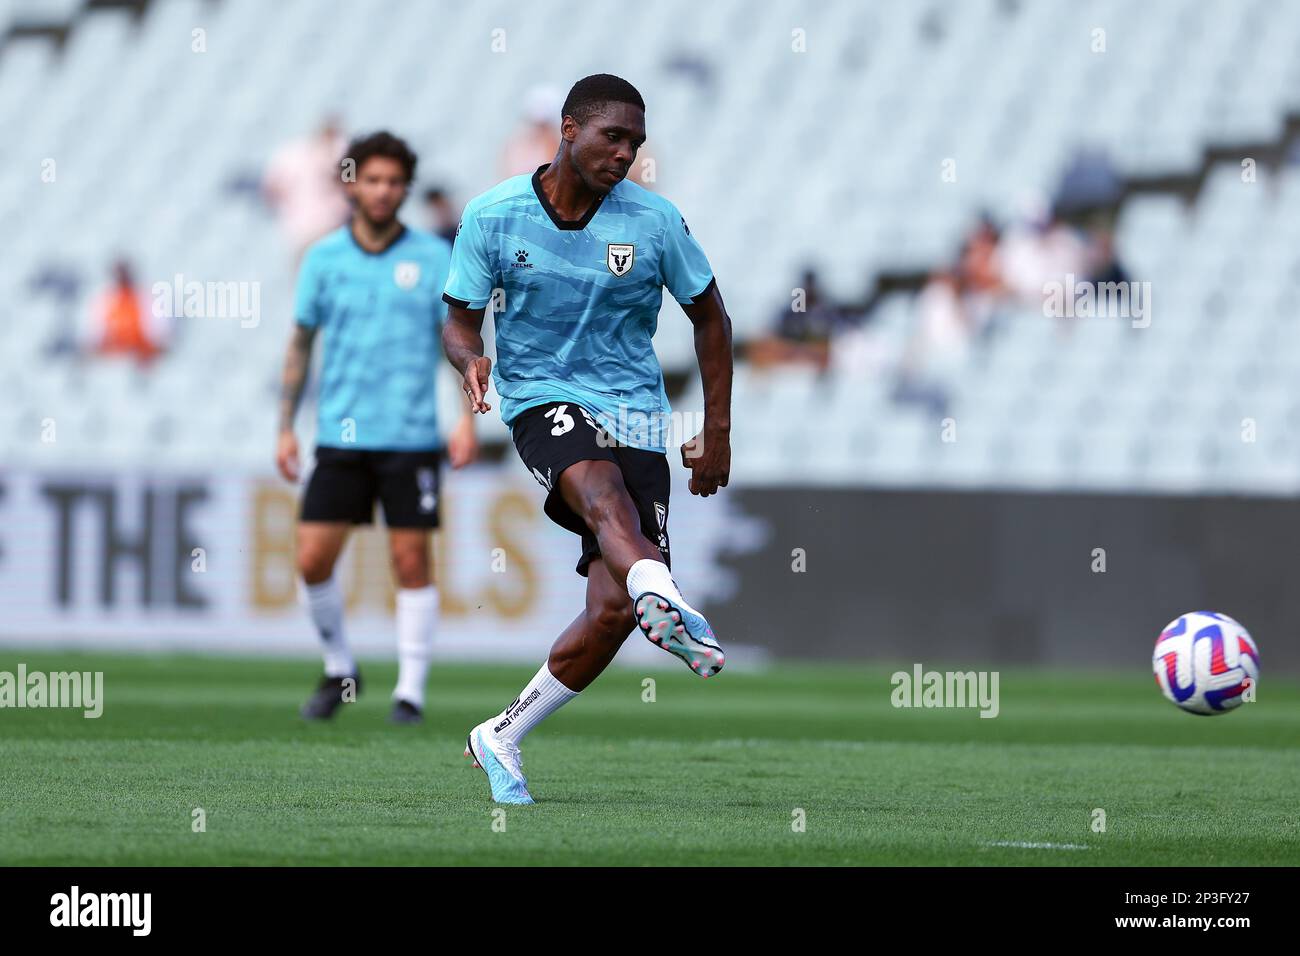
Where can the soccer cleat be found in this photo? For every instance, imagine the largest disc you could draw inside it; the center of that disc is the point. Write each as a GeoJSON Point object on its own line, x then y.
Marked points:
{"type": "Point", "coordinates": [681, 632]}
{"type": "Point", "coordinates": [502, 762]}
{"type": "Point", "coordinates": [404, 712]}
{"type": "Point", "coordinates": [329, 697]}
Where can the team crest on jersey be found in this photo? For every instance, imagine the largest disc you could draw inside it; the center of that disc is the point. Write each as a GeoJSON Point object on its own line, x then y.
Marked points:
{"type": "Point", "coordinates": [619, 256]}
{"type": "Point", "coordinates": [406, 274]}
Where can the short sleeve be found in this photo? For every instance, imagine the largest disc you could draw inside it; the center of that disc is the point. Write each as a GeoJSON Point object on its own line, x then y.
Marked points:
{"type": "Point", "coordinates": [469, 281]}
{"type": "Point", "coordinates": [306, 297]}
{"type": "Point", "coordinates": [684, 267]}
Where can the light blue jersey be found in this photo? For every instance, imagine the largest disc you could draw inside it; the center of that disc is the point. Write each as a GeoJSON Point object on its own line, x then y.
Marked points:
{"type": "Point", "coordinates": [380, 316]}
{"type": "Point", "coordinates": [580, 299]}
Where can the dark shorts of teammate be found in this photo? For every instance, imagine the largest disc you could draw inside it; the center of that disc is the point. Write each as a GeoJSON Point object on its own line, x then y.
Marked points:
{"type": "Point", "coordinates": [553, 436]}
{"type": "Point", "coordinates": [346, 482]}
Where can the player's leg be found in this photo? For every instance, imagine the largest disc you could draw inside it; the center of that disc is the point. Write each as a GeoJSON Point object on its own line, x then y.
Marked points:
{"type": "Point", "coordinates": [408, 488]}
{"type": "Point", "coordinates": [339, 494]}
{"type": "Point", "coordinates": [417, 617]}
{"type": "Point", "coordinates": [588, 645]}
{"type": "Point", "coordinates": [625, 507]}
{"type": "Point", "coordinates": [577, 658]}
{"type": "Point", "coordinates": [596, 492]}
{"type": "Point", "coordinates": [618, 497]}
{"type": "Point", "coordinates": [319, 544]}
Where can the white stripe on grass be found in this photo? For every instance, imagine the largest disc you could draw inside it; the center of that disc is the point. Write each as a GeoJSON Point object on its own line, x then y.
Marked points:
{"type": "Point", "coordinates": [1039, 846]}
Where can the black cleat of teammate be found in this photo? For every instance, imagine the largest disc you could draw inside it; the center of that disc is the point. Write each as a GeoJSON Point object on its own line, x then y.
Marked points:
{"type": "Point", "coordinates": [332, 694]}
{"type": "Point", "coordinates": [404, 712]}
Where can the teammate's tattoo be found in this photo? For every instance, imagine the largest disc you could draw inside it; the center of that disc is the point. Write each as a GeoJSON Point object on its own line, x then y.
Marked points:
{"type": "Point", "coordinates": [297, 361]}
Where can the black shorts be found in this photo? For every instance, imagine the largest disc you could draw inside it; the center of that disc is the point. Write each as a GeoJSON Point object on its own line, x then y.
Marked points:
{"type": "Point", "coordinates": [346, 481]}
{"type": "Point", "coordinates": [553, 436]}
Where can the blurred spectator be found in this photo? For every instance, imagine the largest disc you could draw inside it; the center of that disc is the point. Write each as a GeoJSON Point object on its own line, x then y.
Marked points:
{"type": "Point", "coordinates": [121, 322]}
{"type": "Point", "coordinates": [302, 184]}
{"type": "Point", "coordinates": [940, 343]}
{"type": "Point", "coordinates": [694, 68]}
{"type": "Point", "coordinates": [1090, 182]}
{"type": "Point", "coordinates": [444, 215]}
{"type": "Point", "coordinates": [537, 140]}
{"type": "Point", "coordinates": [979, 273]}
{"type": "Point", "coordinates": [1103, 261]}
{"type": "Point", "coordinates": [62, 284]}
{"type": "Point", "coordinates": [1040, 248]}
{"type": "Point", "coordinates": [955, 306]}
{"type": "Point", "coordinates": [645, 168]}
{"type": "Point", "coordinates": [800, 335]}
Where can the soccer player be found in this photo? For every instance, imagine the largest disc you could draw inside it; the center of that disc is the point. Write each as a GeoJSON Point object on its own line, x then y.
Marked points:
{"type": "Point", "coordinates": [372, 288]}
{"type": "Point", "coordinates": [581, 256]}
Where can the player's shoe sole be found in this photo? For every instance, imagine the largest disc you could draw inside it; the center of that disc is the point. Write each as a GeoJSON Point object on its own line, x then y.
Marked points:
{"type": "Point", "coordinates": [506, 788]}
{"type": "Point", "coordinates": [680, 632]}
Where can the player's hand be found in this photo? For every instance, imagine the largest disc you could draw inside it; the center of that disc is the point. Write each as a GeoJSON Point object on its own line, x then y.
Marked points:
{"type": "Point", "coordinates": [475, 385]}
{"type": "Point", "coordinates": [708, 456]}
{"type": "Point", "coordinates": [462, 444]}
{"type": "Point", "coordinates": [286, 455]}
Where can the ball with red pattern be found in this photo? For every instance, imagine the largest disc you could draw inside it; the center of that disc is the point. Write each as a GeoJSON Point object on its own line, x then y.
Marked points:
{"type": "Point", "coordinates": [1205, 663]}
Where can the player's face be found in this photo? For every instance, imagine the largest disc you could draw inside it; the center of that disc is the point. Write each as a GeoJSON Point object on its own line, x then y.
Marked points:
{"type": "Point", "coordinates": [604, 148]}
{"type": "Point", "coordinates": [379, 190]}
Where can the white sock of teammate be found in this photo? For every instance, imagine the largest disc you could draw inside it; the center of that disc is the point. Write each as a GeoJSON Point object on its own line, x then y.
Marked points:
{"type": "Point", "coordinates": [651, 575]}
{"type": "Point", "coordinates": [417, 613]}
{"type": "Point", "coordinates": [542, 696]}
{"type": "Point", "coordinates": [324, 603]}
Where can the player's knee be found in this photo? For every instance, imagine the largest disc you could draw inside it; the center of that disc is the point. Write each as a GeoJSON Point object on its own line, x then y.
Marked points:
{"type": "Point", "coordinates": [411, 569]}
{"type": "Point", "coordinates": [315, 566]}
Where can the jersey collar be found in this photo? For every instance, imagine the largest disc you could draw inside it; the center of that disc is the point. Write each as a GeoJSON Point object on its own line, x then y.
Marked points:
{"type": "Point", "coordinates": [573, 224]}
{"type": "Point", "coordinates": [395, 240]}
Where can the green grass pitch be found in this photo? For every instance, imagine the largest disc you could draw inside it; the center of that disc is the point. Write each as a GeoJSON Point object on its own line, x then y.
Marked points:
{"type": "Point", "coordinates": [709, 773]}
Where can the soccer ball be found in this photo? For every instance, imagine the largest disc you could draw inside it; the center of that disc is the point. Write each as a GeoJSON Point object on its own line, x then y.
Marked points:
{"type": "Point", "coordinates": [1204, 662]}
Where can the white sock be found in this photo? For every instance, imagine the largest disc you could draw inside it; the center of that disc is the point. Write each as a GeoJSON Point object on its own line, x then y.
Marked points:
{"type": "Point", "coordinates": [651, 575]}
{"type": "Point", "coordinates": [324, 603]}
{"type": "Point", "coordinates": [543, 696]}
{"type": "Point", "coordinates": [417, 613]}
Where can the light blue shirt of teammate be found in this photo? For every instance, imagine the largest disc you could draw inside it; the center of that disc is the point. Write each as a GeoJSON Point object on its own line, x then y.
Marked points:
{"type": "Point", "coordinates": [579, 300]}
{"type": "Point", "coordinates": [380, 318]}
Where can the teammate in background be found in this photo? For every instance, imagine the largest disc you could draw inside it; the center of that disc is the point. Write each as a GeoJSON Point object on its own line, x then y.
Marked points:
{"type": "Point", "coordinates": [582, 256]}
{"type": "Point", "coordinates": [372, 288]}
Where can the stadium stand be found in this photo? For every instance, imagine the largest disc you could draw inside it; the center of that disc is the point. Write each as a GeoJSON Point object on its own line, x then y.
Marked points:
{"type": "Point", "coordinates": [834, 156]}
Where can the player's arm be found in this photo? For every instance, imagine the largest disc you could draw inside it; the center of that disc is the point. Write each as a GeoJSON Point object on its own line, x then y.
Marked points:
{"type": "Point", "coordinates": [297, 362]}
{"type": "Point", "coordinates": [469, 287]}
{"type": "Point", "coordinates": [708, 454]}
{"type": "Point", "coordinates": [462, 343]}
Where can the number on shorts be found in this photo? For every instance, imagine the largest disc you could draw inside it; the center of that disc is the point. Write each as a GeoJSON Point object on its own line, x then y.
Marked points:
{"type": "Point", "coordinates": [563, 421]}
